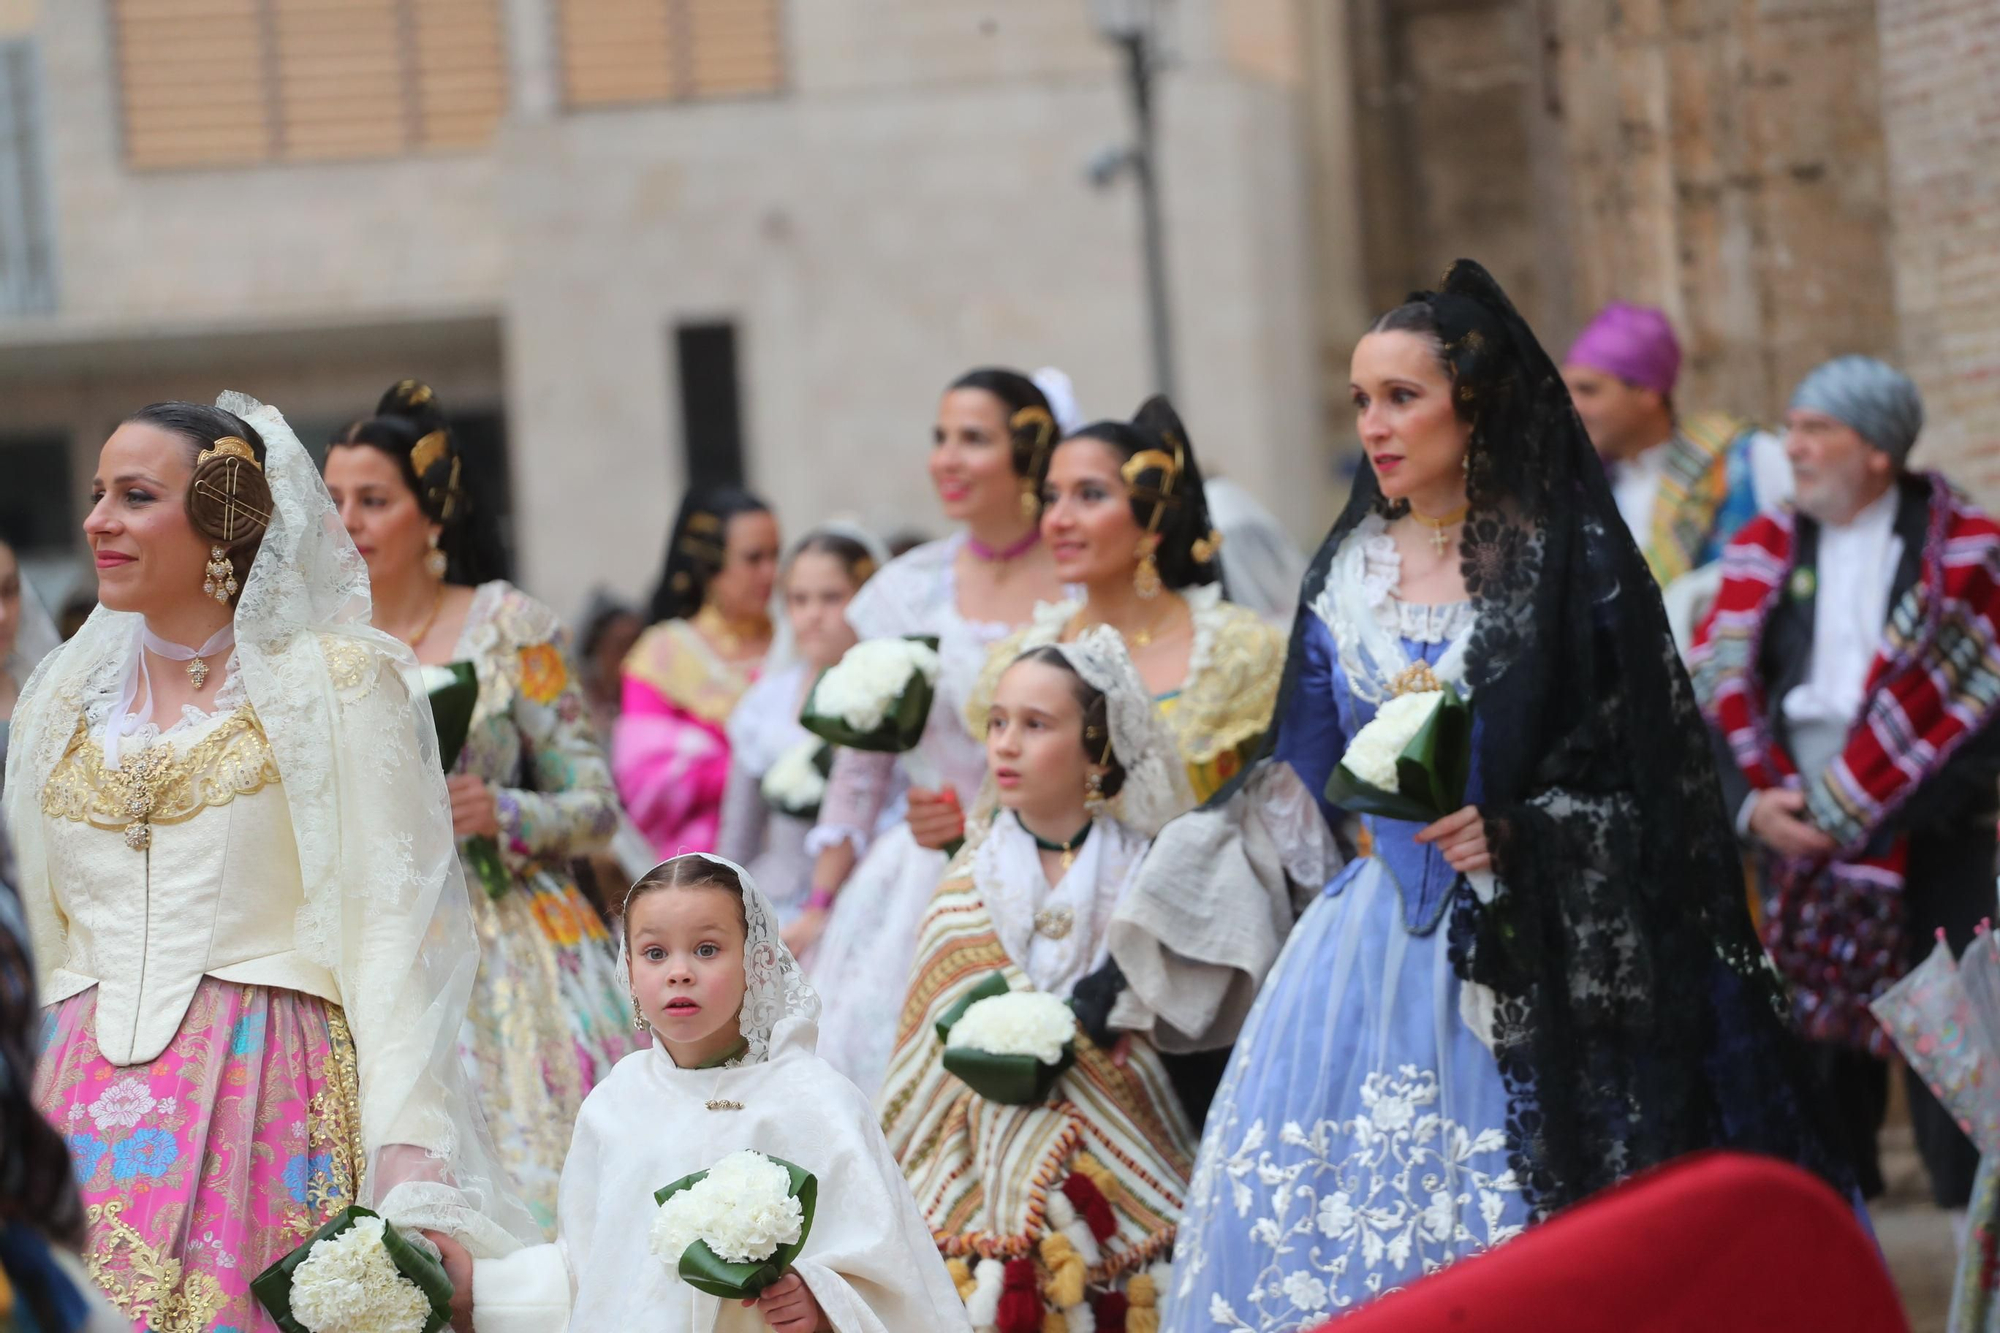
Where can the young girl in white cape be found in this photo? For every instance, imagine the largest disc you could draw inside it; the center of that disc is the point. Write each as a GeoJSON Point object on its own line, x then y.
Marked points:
{"type": "Point", "coordinates": [732, 1068]}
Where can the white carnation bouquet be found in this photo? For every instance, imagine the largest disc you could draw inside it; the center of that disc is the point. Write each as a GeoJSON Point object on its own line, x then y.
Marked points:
{"type": "Point", "coordinates": [1412, 759]}
{"type": "Point", "coordinates": [878, 697]}
{"type": "Point", "coordinates": [1006, 1045]}
{"type": "Point", "coordinates": [796, 782]}
{"type": "Point", "coordinates": [357, 1274]}
{"type": "Point", "coordinates": [735, 1228]}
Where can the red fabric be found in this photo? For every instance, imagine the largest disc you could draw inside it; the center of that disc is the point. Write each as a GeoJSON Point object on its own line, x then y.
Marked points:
{"type": "Point", "coordinates": [1089, 1202]}
{"type": "Point", "coordinates": [1713, 1243]}
{"type": "Point", "coordinates": [1110, 1312]}
{"type": "Point", "coordinates": [1836, 930]}
{"type": "Point", "coordinates": [1020, 1302]}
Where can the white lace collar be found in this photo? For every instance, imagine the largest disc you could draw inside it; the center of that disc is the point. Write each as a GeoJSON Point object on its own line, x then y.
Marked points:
{"type": "Point", "coordinates": [1370, 622]}
{"type": "Point", "coordinates": [1054, 933]}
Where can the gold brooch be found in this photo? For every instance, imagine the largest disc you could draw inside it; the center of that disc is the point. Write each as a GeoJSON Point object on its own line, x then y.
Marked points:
{"type": "Point", "coordinates": [1417, 678]}
{"type": "Point", "coordinates": [1054, 922]}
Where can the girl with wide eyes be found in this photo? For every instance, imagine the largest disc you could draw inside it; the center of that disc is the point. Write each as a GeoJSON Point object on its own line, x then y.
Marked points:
{"type": "Point", "coordinates": [234, 853]}
{"type": "Point", "coordinates": [732, 1069]}
{"type": "Point", "coordinates": [1083, 774]}
{"type": "Point", "coordinates": [994, 428]}
{"type": "Point", "coordinates": [530, 788]}
{"type": "Point", "coordinates": [711, 630]}
{"type": "Point", "coordinates": [777, 769]}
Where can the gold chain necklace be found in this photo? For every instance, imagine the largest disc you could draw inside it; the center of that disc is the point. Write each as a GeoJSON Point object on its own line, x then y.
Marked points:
{"type": "Point", "coordinates": [1138, 638]}
{"type": "Point", "coordinates": [423, 630]}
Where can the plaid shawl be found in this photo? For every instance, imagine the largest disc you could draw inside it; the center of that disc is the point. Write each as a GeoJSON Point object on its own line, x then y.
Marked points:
{"type": "Point", "coordinates": [1835, 928]}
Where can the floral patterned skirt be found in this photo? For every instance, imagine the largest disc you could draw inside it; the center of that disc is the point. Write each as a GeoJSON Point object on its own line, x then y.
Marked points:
{"type": "Point", "coordinates": [548, 1019]}
{"type": "Point", "coordinates": [202, 1167]}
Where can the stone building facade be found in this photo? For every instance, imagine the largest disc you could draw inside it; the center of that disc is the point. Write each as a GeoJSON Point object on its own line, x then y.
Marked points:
{"type": "Point", "coordinates": [1789, 179]}
{"type": "Point", "coordinates": [533, 202]}
{"type": "Point", "coordinates": [904, 197]}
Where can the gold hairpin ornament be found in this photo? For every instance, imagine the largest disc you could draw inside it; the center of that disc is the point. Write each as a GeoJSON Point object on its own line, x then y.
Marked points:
{"type": "Point", "coordinates": [703, 521]}
{"type": "Point", "coordinates": [415, 393]}
{"type": "Point", "coordinates": [426, 453]}
{"type": "Point", "coordinates": [230, 446]}
{"type": "Point", "coordinates": [1207, 548]}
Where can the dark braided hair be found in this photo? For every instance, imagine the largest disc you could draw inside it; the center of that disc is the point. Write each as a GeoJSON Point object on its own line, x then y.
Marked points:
{"type": "Point", "coordinates": [1170, 503]}
{"type": "Point", "coordinates": [409, 426]}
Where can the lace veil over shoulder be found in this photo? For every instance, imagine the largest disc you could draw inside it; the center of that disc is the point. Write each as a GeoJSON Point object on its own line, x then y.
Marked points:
{"type": "Point", "coordinates": [366, 793]}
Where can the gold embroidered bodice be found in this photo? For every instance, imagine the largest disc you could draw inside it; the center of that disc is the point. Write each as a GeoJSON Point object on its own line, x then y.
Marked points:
{"type": "Point", "coordinates": [160, 784]}
{"type": "Point", "coordinates": [177, 864]}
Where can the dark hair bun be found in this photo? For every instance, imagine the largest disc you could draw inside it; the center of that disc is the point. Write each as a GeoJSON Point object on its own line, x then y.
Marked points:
{"type": "Point", "coordinates": [228, 499]}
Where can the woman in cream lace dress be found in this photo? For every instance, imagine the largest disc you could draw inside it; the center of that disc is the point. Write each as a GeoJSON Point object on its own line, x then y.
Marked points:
{"type": "Point", "coordinates": [235, 859]}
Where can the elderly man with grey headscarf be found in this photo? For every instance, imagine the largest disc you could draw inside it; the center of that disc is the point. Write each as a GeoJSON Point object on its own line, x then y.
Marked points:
{"type": "Point", "coordinates": [1850, 671]}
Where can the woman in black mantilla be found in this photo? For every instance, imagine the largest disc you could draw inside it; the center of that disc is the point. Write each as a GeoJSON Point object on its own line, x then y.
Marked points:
{"type": "Point", "coordinates": [1491, 1017]}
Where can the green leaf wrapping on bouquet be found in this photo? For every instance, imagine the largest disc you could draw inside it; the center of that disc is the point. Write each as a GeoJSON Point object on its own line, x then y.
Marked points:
{"type": "Point", "coordinates": [1011, 1080]}
{"type": "Point", "coordinates": [273, 1287]}
{"type": "Point", "coordinates": [706, 1271]}
{"type": "Point", "coordinates": [451, 710]}
{"type": "Point", "coordinates": [901, 729]}
{"type": "Point", "coordinates": [483, 855]}
{"type": "Point", "coordinates": [1431, 772]}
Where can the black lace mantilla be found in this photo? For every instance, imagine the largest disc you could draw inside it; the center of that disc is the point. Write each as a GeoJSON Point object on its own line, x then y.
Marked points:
{"type": "Point", "coordinates": [1637, 1020]}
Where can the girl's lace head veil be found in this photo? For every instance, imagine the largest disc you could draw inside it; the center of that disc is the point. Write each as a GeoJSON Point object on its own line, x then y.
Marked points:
{"type": "Point", "coordinates": [778, 1001]}
{"type": "Point", "coordinates": [1156, 785]}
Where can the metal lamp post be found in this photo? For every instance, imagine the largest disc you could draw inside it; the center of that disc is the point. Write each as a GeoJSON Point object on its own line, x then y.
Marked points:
{"type": "Point", "coordinates": [1131, 25]}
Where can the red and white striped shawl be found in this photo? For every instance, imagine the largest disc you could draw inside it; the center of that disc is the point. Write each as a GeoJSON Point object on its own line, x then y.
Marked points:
{"type": "Point", "coordinates": [1836, 930]}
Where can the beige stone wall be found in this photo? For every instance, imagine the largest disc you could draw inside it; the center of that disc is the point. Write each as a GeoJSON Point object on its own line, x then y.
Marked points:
{"type": "Point", "coordinates": [1727, 165]}
{"type": "Point", "coordinates": [1941, 105]}
{"type": "Point", "coordinates": [913, 205]}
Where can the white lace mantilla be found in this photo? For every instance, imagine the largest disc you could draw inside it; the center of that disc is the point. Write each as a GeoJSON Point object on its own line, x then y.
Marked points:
{"type": "Point", "coordinates": [1388, 1195]}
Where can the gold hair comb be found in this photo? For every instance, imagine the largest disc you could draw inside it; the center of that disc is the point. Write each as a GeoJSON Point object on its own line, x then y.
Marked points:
{"type": "Point", "coordinates": [426, 453]}
{"type": "Point", "coordinates": [232, 447]}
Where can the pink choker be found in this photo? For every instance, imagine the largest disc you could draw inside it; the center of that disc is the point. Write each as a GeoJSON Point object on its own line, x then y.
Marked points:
{"type": "Point", "coordinates": [1014, 552]}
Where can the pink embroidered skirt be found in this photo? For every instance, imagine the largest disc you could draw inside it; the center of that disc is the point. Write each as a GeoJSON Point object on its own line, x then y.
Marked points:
{"type": "Point", "coordinates": [217, 1158]}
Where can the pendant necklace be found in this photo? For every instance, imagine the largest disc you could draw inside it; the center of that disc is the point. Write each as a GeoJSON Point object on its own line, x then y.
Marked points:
{"type": "Point", "coordinates": [1439, 526]}
{"type": "Point", "coordinates": [1068, 849]}
{"type": "Point", "coordinates": [197, 669]}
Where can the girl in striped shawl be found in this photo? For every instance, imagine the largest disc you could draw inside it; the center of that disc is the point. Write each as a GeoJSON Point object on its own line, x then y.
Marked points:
{"type": "Point", "coordinates": [1050, 1215]}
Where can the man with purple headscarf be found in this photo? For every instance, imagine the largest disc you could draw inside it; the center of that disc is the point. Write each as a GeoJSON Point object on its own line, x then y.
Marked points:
{"type": "Point", "coordinates": [1684, 485]}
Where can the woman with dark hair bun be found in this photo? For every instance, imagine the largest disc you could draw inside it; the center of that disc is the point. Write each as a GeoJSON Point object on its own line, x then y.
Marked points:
{"type": "Point", "coordinates": [1489, 1017]}
{"type": "Point", "coordinates": [530, 792]}
{"type": "Point", "coordinates": [1125, 514]}
{"type": "Point", "coordinates": [711, 630]}
{"type": "Point", "coordinates": [968, 591]}
{"type": "Point", "coordinates": [234, 851]}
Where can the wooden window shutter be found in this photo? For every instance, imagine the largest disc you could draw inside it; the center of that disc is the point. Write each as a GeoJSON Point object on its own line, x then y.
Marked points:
{"type": "Point", "coordinates": [231, 82]}
{"type": "Point", "coordinates": [622, 51]}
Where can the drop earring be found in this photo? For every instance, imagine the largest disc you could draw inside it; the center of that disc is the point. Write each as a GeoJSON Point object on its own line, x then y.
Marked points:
{"type": "Point", "coordinates": [639, 1023]}
{"type": "Point", "coordinates": [1146, 578]}
{"type": "Point", "coordinates": [436, 563]}
{"type": "Point", "coordinates": [219, 576]}
{"type": "Point", "coordinates": [1031, 502]}
{"type": "Point", "coordinates": [1093, 793]}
